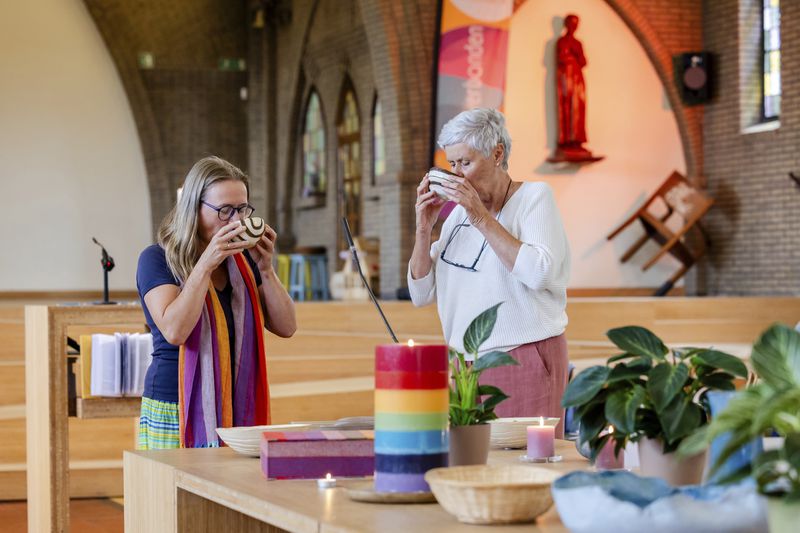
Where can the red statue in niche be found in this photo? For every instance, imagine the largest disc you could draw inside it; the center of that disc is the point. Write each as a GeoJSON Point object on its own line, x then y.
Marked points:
{"type": "Point", "coordinates": [571, 95]}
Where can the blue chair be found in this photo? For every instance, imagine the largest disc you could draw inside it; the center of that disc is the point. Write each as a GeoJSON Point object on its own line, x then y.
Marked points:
{"type": "Point", "coordinates": [297, 277]}
{"type": "Point", "coordinates": [571, 426]}
{"type": "Point", "coordinates": [318, 266]}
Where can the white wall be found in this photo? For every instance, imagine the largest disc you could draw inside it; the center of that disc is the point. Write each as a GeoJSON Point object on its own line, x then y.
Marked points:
{"type": "Point", "coordinates": [70, 162]}
{"type": "Point", "coordinates": [628, 121]}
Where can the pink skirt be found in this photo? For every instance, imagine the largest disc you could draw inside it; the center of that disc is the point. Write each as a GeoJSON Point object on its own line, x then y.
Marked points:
{"type": "Point", "coordinates": [535, 386]}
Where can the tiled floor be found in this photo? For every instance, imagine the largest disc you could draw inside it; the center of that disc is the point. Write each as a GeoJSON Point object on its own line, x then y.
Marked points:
{"type": "Point", "coordinates": [86, 516]}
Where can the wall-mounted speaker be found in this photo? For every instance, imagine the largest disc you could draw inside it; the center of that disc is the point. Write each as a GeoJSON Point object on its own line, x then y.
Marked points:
{"type": "Point", "coordinates": [693, 77]}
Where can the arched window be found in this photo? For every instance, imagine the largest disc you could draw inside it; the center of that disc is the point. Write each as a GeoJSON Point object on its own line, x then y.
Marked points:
{"type": "Point", "coordinates": [378, 142]}
{"type": "Point", "coordinates": [349, 136]}
{"type": "Point", "coordinates": [771, 64]}
{"type": "Point", "coordinates": [315, 178]}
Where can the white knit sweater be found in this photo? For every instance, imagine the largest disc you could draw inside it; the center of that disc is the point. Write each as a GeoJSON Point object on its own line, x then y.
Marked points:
{"type": "Point", "coordinates": [534, 292]}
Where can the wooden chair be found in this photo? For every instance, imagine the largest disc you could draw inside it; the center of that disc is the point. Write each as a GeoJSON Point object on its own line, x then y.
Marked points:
{"type": "Point", "coordinates": [682, 198]}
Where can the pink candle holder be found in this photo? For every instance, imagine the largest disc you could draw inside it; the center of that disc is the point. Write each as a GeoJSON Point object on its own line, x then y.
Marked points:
{"type": "Point", "coordinates": [541, 441]}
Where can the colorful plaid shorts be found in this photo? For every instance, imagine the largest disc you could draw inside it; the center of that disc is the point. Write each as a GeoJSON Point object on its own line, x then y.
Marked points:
{"type": "Point", "coordinates": [159, 425]}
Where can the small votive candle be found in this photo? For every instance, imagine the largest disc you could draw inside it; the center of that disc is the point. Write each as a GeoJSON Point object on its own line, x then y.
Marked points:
{"type": "Point", "coordinates": [606, 460]}
{"type": "Point", "coordinates": [541, 440]}
{"type": "Point", "coordinates": [327, 482]}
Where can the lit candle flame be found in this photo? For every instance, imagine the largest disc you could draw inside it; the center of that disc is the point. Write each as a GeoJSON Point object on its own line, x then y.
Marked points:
{"type": "Point", "coordinates": [328, 476]}
{"type": "Point", "coordinates": [610, 430]}
{"type": "Point", "coordinates": [410, 343]}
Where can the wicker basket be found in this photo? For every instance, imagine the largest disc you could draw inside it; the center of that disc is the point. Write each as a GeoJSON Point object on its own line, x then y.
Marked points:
{"type": "Point", "coordinates": [493, 494]}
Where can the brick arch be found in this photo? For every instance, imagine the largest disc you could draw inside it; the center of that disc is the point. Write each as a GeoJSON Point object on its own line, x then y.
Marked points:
{"type": "Point", "coordinates": [635, 15]}
{"type": "Point", "coordinates": [185, 83]}
{"type": "Point", "coordinates": [402, 42]}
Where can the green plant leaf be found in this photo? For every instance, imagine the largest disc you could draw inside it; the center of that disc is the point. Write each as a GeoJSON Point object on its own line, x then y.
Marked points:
{"type": "Point", "coordinates": [488, 405]}
{"type": "Point", "coordinates": [638, 341]}
{"type": "Point", "coordinates": [664, 382]}
{"type": "Point", "coordinates": [621, 408]}
{"type": "Point", "coordinates": [722, 361]}
{"type": "Point", "coordinates": [488, 390]}
{"type": "Point", "coordinates": [780, 411]}
{"type": "Point", "coordinates": [623, 372]}
{"type": "Point", "coordinates": [648, 424]}
{"type": "Point", "coordinates": [492, 360]}
{"type": "Point", "coordinates": [776, 356]}
{"type": "Point", "coordinates": [644, 364]}
{"type": "Point", "coordinates": [599, 398]}
{"type": "Point", "coordinates": [678, 419]}
{"type": "Point", "coordinates": [718, 381]}
{"type": "Point", "coordinates": [480, 329]}
{"type": "Point", "coordinates": [584, 386]}
{"type": "Point", "coordinates": [619, 357]}
{"type": "Point", "coordinates": [694, 443]}
{"type": "Point", "coordinates": [484, 417]}
{"type": "Point", "coordinates": [592, 423]}
{"type": "Point", "coordinates": [686, 352]}
{"type": "Point", "coordinates": [791, 447]}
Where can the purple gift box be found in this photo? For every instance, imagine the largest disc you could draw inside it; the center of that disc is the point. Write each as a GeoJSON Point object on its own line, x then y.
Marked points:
{"type": "Point", "coordinates": [313, 454]}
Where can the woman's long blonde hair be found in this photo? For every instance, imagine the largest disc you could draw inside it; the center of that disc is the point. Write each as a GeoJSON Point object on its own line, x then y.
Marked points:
{"type": "Point", "coordinates": [178, 231]}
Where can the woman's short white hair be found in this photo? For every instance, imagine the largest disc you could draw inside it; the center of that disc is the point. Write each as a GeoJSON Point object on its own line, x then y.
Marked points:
{"type": "Point", "coordinates": [481, 129]}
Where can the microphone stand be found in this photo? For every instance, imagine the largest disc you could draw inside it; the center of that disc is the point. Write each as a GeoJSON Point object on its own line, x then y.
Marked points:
{"type": "Point", "coordinates": [349, 236]}
{"type": "Point", "coordinates": [108, 264]}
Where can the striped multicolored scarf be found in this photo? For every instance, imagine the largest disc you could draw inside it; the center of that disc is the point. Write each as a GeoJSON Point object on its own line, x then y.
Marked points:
{"type": "Point", "coordinates": [210, 393]}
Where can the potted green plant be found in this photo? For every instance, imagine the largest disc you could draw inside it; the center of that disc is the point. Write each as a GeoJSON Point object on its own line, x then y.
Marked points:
{"type": "Point", "coordinates": [652, 395]}
{"type": "Point", "coordinates": [772, 404]}
{"type": "Point", "coordinates": [472, 404]}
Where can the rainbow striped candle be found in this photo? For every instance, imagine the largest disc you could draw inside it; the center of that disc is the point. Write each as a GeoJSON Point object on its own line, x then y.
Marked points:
{"type": "Point", "coordinates": [411, 409]}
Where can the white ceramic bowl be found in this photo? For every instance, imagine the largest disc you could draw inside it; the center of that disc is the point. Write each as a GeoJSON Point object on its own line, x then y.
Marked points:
{"type": "Point", "coordinates": [255, 228]}
{"type": "Point", "coordinates": [617, 501]}
{"type": "Point", "coordinates": [437, 178]}
{"type": "Point", "coordinates": [512, 432]}
{"type": "Point", "coordinates": [247, 439]}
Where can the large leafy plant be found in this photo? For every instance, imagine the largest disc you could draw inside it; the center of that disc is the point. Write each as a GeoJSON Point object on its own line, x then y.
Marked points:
{"type": "Point", "coordinates": [466, 406]}
{"type": "Point", "coordinates": [773, 404]}
{"type": "Point", "coordinates": [649, 390]}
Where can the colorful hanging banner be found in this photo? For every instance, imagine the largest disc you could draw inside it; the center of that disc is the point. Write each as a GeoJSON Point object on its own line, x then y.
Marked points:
{"type": "Point", "coordinates": [473, 48]}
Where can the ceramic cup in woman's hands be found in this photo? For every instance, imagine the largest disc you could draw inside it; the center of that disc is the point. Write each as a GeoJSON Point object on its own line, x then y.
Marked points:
{"type": "Point", "coordinates": [254, 229]}
{"type": "Point", "coordinates": [439, 179]}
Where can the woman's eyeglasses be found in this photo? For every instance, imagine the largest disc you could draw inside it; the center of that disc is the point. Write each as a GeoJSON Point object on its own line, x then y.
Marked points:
{"type": "Point", "coordinates": [225, 212]}
{"type": "Point", "coordinates": [452, 236]}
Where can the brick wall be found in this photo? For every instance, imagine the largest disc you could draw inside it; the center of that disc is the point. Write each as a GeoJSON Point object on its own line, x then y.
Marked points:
{"type": "Point", "coordinates": [755, 225]}
{"type": "Point", "coordinates": [185, 107]}
{"type": "Point", "coordinates": [666, 28]}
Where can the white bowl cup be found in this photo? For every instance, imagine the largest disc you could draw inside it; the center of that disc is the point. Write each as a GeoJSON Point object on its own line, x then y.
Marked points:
{"type": "Point", "coordinates": [438, 177]}
{"type": "Point", "coordinates": [255, 229]}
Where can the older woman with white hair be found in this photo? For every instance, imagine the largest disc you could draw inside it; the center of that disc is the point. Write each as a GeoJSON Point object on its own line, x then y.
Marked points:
{"type": "Point", "coordinates": [503, 242]}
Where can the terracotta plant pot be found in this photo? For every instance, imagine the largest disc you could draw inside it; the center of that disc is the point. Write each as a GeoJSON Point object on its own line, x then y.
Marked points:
{"type": "Point", "coordinates": [469, 445]}
{"type": "Point", "coordinates": [654, 462]}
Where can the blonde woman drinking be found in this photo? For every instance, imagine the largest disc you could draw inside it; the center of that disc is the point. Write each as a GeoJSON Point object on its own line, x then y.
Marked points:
{"type": "Point", "coordinates": [207, 301]}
